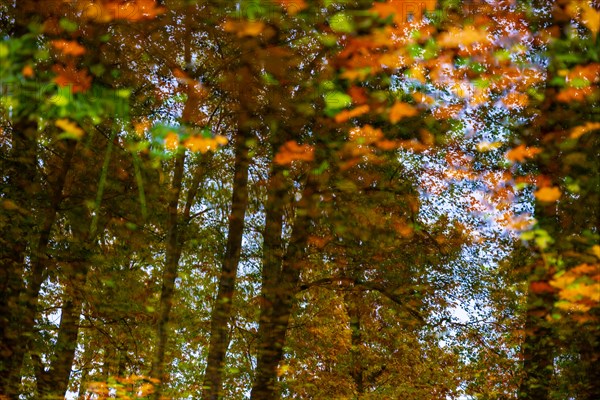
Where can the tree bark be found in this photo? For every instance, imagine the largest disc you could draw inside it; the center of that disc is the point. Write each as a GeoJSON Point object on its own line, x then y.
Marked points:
{"type": "Point", "coordinates": [173, 253]}
{"type": "Point", "coordinates": [538, 348]}
{"type": "Point", "coordinates": [28, 302]}
{"type": "Point", "coordinates": [278, 299]}
{"type": "Point", "coordinates": [53, 384]}
{"type": "Point", "coordinates": [16, 223]}
{"type": "Point", "coordinates": [221, 313]}
{"type": "Point", "coordinates": [352, 301]}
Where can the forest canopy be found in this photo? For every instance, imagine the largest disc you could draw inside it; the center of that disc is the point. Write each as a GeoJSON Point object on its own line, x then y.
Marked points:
{"type": "Point", "coordinates": [353, 199]}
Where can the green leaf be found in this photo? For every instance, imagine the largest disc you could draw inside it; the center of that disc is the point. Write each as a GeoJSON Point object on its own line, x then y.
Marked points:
{"type": "Point", "coordinates": [3, 50]}
{"type": "Point", "coordinates": [342, 23]}
{"type": "Point", "coordinates": [68, 25]}
{"type": "Point", "coordinates": [337, 100]}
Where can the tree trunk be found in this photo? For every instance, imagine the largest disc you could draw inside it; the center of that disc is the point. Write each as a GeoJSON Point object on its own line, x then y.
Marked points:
{"type": "Point", "coordinates": [352, 301]}
{"type": "Point", "coordinates": [221, 313]}
{"type": "Point", "coordinates": [54, 382]}
{"type": "Point", "coordinates": [538, 348]}
{"type": "Point", "coordinates": [29, 299]}
{"type": "Point", "coordinates": [173, 253]}
{"type": "Point", "coordinates": [16, 224]}
{"type": "Point", "coordinates": [278, 299]}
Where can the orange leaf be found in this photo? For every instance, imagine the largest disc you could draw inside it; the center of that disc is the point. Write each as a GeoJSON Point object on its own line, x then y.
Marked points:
{"type": "Point", "coordinates": [516, 100]}
{"type": "Point", "coordinates": [579, 131]}
{"type": "Point", "coordinates": [28, 71]}
{"type": "Point", "coordinates": [401, 110]}
{"type": "Point", "coordinates": [68, 47]}
{"type": "Point", "coordinates": [446, 112]}
{"type": "Point", "coordinates": [141, 127]}
{"type": "Point", "coordinates": [468, 36]}
{"type": "Point", "coordinates": [292, 151]}
{"type": "Point", "coordinates": [573, 94]}
{"type": "Point", "coordinates": [548, 194]}
{"type": "Point", "coordinates": [171, 141]}
{"type": "Point", "coordinates": [358, 94]}
{"type": "Point", "coordinates": [133, 10]}
{"type": "Point", "coordinates": [541, 287]}
{"type": "Point", "coordinates": [203, 144]}
{"type": "Point", "coordinates": [79, 80]}
{"type": "Point", "coordinates": [244, 28]}
{"type": "Point", "coordinates": [365, 135]}
{"type": "Point", "coordinates": [345, 115]}
{"type": "Point", "coordinates": [520, 153]}
{"type": "Point", "coordinates": [293, 7]}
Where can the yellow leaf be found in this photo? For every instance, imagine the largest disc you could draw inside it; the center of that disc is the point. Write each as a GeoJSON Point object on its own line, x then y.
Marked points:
{"type": "Point", "coordinates": [596, 250]}
{"type": "Point", "coordinates": [548, 194]}
{"type": "Point", "coordinates": [69, 127]}
{"type": "Point", "coordinates": [355, 74]}
{"type": "Point", "coordinates": [590, 18]}
{"type": "Point", "coordinates": [146, 389]}
{"type": "Point", "coordinates": [9, 205]}
{"type": "Point", "coordinates": [204, 144]}
{"type": "Point", "coordinates": [401, 110]}
{"type": "Point", "coordinates": [221, 140]}
{"type": "Point", "coordinates": [463, 37]}
{"type": "Point", "coordinates": [487, 146]}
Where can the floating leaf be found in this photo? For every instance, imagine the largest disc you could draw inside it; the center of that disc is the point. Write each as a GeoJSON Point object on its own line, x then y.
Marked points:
{"type": "Point", "coordinates": [345, 115]}
{"type": "Point", "coordinates": [244, 28]}
{"type": "Point", "coordinates": [342, 23]}
{"type": "Point", "coordinates": [521, 153]}
{"type": "Point", "coordinates": [401, 110]}
{"type": "Point", "coordinates": [293, 7]}
{"type": "Point", "coordinates": [28, 71]}
{"type": "Point", "coordinates": [69, 75]}
{"type": "Point", "coordinates": [292, 151]}
{"type": "Point", "coordinates": [68, 47]}
{"type": "Point", "coordinates": [548, 194]}
{"type": "Point", "coordinates": [71, 129]}
{"type": "Point", "coordinates": [581, 130]}
{"type": "Point", "coordinates": [171, 141]}
{"type": "Point", "coordinates": [337, 100]}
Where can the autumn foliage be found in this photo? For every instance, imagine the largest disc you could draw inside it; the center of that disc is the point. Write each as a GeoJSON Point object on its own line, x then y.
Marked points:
{"type": "Point", "coordinates": [300, 199]}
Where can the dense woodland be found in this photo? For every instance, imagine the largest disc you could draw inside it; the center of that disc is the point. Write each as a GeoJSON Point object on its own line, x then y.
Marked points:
{"type": "Point", "coordinates": [353, 199]}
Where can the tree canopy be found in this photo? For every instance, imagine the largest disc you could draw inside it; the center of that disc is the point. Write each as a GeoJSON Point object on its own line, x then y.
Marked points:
{"type": "Point", "coordinates": [300, 199]}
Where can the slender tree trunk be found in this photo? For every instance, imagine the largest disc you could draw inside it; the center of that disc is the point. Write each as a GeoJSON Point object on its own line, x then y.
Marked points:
{"type": "Point", "coordinates": [29, 300]}
{"type": "Point", "coordinates": [85, 370]}
{"type": "Point", "coordinates": [278, 295]}
{"type": "Point", "coordinates": [221, 313]}
{"type": "Point", "coordinates": [54, 382]}
{"type": "Point", "coordinates": [352, 301]}
{"type": "Point", "coordinates": [590, 360]}
{"type": "Point", "coordinates": [173, 253]}
{"type": "Point", "coordinates": [538, 348]}
{"type": "Point", "coordinates": [16, 222]}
